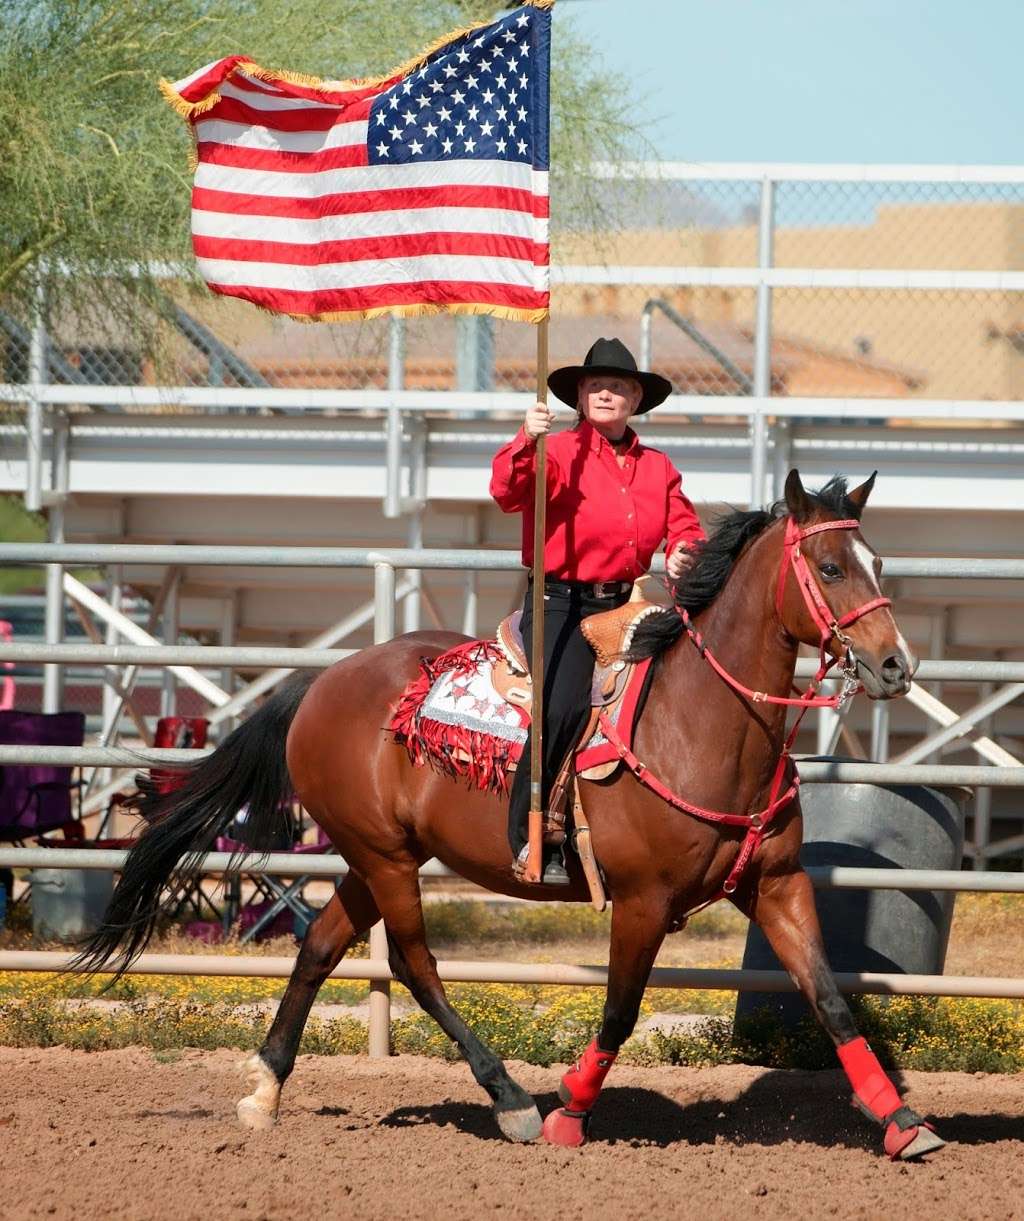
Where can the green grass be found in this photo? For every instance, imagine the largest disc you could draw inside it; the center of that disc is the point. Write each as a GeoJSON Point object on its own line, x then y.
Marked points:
{"type": "Point", "coordinates": [924, 1033]}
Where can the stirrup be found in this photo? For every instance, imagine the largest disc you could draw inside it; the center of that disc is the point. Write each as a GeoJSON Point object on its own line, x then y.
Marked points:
{"type": "Point", "coordinates": [553, 872]}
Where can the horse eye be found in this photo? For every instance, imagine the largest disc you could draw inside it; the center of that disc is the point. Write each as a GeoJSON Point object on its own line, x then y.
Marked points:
{"type": "Point", "coordinates": [831, 572]}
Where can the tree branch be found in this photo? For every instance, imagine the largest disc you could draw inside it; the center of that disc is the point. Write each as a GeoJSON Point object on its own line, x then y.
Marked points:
{"type": "Point", "coordinates": [28, 255]}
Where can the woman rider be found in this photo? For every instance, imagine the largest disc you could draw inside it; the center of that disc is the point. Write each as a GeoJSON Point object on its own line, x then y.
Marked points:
{"type": "Point", "coordinates": [611, 502]}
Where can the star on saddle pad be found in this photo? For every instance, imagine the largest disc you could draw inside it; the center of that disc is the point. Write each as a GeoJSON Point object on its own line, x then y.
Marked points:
{"type": "Point", "coordinates": [454, 717]}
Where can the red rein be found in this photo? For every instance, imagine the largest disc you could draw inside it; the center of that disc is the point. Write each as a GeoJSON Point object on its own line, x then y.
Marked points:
{"type": "Point", "coordinates": [830, 627]}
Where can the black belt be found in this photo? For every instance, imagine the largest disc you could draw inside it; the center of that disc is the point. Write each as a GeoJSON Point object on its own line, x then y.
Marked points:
{"type": "Point", "coordinates": [588, 589]}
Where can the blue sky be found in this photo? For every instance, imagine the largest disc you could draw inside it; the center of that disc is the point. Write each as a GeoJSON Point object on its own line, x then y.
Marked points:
{"type": "Point", "coordinates": [818, 80]}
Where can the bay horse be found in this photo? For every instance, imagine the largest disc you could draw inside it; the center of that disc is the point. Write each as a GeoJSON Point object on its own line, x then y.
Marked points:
{"type": "Point", "coordinates": [765, 582]}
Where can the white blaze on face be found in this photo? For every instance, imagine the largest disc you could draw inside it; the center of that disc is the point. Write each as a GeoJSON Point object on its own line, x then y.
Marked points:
{"type": "Point", "coordinates": [865, 557]}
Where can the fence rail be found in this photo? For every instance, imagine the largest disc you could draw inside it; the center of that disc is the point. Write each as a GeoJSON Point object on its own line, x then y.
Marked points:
{"type": "Point", "coordinates": [810, 771]}
{"type": "Point", "coordinates": [376, 970]}
{"type": "Point", "coordinates": [461, 559]}
{"type": "Point", "coordinates": [287, 864]}
{"type": "Point", "coordinates": [316, 659]}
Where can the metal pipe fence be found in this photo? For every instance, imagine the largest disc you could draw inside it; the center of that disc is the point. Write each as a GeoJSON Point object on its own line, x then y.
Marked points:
{"type": "Point", "coordinates": [384, 563]}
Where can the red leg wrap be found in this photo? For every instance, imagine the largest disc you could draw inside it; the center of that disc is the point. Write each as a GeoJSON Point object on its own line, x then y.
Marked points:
{"type": "Point", "coordinates": [582, 1083]}
{"type": "Point", "coordinates": [871, 1086]}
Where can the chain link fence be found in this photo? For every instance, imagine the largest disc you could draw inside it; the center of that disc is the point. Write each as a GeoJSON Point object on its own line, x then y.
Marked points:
{"type": "Point", "coordinates": [845, 323]}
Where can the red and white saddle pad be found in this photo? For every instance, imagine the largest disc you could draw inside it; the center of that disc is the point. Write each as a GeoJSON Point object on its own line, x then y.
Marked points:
{"type": "Point", "coordinates": [452, 717]}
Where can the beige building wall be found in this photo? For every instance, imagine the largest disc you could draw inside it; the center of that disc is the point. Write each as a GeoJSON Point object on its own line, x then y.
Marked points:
{"type": "Point", "coordinates": [954, 341]}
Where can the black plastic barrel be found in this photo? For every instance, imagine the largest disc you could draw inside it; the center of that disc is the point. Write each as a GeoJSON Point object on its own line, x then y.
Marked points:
{"type": "Point", "coordinates": [895, 931]}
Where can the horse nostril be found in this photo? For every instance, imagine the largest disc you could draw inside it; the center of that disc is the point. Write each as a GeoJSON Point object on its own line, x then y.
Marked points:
{"type": "Point", "coordinates": [894, 670]}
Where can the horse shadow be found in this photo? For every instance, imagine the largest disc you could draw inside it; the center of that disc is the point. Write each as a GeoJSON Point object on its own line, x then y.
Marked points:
{"type": "Point", "coordinates": [776, 1108]}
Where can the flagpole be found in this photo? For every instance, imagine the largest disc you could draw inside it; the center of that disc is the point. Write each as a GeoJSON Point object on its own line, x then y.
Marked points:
{"type": "Point", "coordinates": [535, 826]}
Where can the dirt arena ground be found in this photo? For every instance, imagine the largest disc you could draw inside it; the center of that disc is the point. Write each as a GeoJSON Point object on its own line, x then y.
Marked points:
{"type": "Point", "coordinates": [131, 1134]}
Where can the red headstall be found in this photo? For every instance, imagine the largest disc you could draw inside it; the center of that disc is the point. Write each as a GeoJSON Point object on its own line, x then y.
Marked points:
{"type": "Point", "coordinates": [830, 628]}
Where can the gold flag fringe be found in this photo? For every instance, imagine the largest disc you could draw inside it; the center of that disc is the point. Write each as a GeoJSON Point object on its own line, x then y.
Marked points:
{"type": "Point", "coordinates": [187, 110]}
{"type": "Point", "coordinates": [505, 312]}
{"type": "Point", "coordinates": [191, 110]}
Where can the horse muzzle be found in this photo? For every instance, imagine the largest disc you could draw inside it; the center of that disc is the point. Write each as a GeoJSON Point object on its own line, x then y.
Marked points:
{"type": "Point", "coordinates": [888, 678]}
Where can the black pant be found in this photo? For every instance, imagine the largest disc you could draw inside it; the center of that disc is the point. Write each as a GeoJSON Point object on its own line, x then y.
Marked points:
{"type": "Point", "coordinates": [568, 675]}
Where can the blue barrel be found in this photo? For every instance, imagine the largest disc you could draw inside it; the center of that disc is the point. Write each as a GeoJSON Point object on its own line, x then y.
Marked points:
{"type": "Point", "coordinates": [896, 931]}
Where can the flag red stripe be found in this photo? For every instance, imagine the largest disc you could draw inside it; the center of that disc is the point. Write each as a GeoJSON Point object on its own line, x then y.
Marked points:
{"type": "Point", "coordinates": [213, 153]}
{"type": "Point", "coordinates": [277, 87]}
{"type": "Point", "coordinates": [351, 250]}
{"type": "Point", "coordinates": [430, 292]}
{"type": "Point", "coordinates": [215, 75]}
{"type": "Point", "coordinates": [298, 118]}
{"type": "Point", "coordinates": [383, 200]}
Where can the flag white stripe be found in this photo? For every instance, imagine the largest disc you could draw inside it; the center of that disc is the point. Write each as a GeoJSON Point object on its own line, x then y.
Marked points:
{"type": "Point", "coordinates": [271, 101]}
{"type": "Point", "coordinates": [389, 223]}
{"type": "Point", "coordinates": [371, 273]}
{"type": "Point", "coordinates": [282, 185]}
{"type": "Point", "coordinates": [245, 135]}
{"type": "Point", "coordinates": [183, 84]}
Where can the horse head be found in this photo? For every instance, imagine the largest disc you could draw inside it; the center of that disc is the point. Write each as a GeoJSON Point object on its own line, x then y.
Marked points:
{"type": "Point", "coordinates": [828, 591]}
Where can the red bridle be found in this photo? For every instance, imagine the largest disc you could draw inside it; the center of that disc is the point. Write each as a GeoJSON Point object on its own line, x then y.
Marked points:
{"type": "Point", "coordinates": [830, 627]}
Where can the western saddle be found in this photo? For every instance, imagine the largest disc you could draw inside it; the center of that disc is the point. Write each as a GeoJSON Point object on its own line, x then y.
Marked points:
{"type": "Point", "coordinates": [610, 634]}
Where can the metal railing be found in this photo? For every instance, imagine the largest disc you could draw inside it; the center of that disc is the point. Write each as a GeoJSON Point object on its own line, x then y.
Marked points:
{"type": "Point", "coordinates": [760, 187]}
{"type": "Point", "coordinates": [384, 563]}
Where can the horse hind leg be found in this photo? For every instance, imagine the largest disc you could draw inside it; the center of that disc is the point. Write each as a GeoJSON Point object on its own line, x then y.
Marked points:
{"type": "Point", "coordinates": [397, 891]}
{"type": "Point", "coordinates": [350, 912]}
{"type": "Point", "coordinates": [784, 909]}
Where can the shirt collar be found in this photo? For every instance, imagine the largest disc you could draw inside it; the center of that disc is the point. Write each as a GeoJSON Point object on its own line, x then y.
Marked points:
{"type": "Point", "coordinates": [597, 442]}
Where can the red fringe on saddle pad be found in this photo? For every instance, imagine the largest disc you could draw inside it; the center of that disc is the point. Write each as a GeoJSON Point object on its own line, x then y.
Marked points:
{"type": "Point", "coordinates": [453, 750]}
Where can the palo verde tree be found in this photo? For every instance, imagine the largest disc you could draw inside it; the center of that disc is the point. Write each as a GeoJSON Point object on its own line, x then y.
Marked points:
{"type": "Point", "coordinates": [94, 184]}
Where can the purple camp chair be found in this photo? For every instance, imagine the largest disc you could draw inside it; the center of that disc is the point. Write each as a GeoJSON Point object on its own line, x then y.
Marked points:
{"type": "Point", "coordinates": [37, 797]}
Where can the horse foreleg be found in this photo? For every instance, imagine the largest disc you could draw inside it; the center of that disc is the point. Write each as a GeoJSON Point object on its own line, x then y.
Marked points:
{"type": "Point", "coordinates": [638, 929]}
{"type": "Point", "coordinates": [397, 890]}
{"type": "Point", "coordinates": [784, 909]}
{"type": "Point", "coordinates": [350, 912]}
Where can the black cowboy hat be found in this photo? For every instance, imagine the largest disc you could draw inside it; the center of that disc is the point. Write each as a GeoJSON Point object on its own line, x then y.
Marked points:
{"type": "Point", "coordinates": [609, 356]}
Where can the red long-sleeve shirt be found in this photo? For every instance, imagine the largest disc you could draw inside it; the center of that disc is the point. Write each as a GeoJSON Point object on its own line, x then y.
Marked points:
{"type": "Point", "coordinates": [604, 521]}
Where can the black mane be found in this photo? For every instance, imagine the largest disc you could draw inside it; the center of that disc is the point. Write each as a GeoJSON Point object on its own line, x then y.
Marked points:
{"type": "Point", "coordinates": [731, 533]}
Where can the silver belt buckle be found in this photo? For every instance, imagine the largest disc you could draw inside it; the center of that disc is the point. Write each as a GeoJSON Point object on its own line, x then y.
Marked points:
{"type": "Point", "coordinates": [605, 589]}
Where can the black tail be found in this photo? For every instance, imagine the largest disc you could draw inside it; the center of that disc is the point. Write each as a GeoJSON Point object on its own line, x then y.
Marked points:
{"type": "Point", "coordinates": [247, 769]}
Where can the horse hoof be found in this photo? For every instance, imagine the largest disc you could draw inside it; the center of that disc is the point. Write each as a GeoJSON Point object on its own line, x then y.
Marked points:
{"type": "Point", "coordinates": [922, 1140]}
{"type": "Point", "coordinates": [252, 1114]}
{"type": "Point", "coordinates": [521, 1125]}
{"type": "Point", "coordinates": [568, 1128]}
{"type": "Point", "coordinates": [258, 1110]}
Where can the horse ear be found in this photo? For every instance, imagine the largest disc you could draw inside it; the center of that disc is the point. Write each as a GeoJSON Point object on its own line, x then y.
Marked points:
{"type": "Point", "coordinates": [859, 496]}
{"type": "Point", "coordinates": [797, 500]}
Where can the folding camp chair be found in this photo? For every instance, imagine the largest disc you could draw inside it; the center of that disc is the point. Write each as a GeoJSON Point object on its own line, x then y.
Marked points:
{"type": "Point", "coordinates": [173, 733]}
{"type": "Point", "coordinates": [36, 798]}
{"type": "Point", "coordinates": [276, 905]}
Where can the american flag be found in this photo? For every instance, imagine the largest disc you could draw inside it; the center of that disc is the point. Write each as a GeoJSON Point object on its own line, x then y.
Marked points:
{"type": "Point", "coordinates": [426, 190]}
